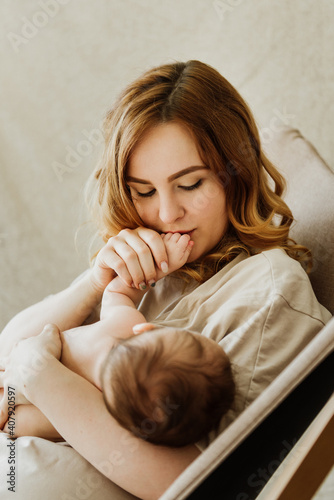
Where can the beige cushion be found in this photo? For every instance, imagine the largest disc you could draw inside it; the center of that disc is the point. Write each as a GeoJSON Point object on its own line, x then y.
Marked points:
{"type": "Point", "coordinates": [52, 471]}
{"type": "Point", "coordinates": [310, 195]}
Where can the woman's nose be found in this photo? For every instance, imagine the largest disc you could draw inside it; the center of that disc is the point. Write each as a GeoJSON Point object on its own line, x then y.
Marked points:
{"type": "Point", "coordinates": [170, 209]}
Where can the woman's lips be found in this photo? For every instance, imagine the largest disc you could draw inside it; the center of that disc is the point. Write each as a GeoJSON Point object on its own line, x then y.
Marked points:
{"type": "Point", "coordinates": [182, 232]}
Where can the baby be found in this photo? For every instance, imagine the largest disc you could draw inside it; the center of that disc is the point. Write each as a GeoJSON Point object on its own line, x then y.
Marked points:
{"type": "Point", "coordinates": [168, 386]}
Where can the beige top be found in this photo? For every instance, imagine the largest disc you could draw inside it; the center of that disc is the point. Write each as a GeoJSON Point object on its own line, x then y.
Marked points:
{"type": "Point", "coordinates": [260, 309]}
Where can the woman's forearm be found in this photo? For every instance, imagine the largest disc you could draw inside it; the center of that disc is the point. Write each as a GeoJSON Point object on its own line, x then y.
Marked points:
{"type": "Point", "coordinates": [67, 309]}
{"type": "Point", "coordinates": [97, 437]}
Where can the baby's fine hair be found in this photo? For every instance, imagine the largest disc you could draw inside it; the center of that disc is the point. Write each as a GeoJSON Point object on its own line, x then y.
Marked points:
{"type": "Point", "coordinates": [169, 393]}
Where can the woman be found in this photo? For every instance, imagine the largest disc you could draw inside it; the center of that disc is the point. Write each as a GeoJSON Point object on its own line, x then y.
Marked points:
{"type": "Point", "coordinates": [182, 154]}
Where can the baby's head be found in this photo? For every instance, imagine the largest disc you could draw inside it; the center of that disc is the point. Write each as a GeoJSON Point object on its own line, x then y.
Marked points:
{"type": "Point", "coordinates": [168, 386]}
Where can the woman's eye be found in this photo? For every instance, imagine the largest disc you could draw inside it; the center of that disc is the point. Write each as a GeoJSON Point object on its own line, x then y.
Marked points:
{"type": "Point", "coordinates": [146, 195]}
{"type": "Point", "coordinates": [193, 186]}
{"type": "Point", "coordinates": [152, 192]}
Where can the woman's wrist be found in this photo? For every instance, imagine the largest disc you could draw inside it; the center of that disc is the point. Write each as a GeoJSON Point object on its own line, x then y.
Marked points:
{"type": "Point", "coordinates": [83, 299]}
{"type": "Point", "coordinates": [93, 291]}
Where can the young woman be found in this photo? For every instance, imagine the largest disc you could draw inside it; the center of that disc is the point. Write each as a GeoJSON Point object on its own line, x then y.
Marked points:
{"type": "Point", "coordinates": [182, 155]}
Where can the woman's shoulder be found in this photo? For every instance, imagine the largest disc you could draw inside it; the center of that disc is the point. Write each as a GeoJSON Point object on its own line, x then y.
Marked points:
{"type": "Point", "coordinates": [248, 282]}
{"type": "Point", "coordinates": [272, 268]}
{"type": "Point", "coordinates": [271, 271]}
{"type": "Point", "coordinates": [276, 274]}
{"type": "Point", "coordinates": [286, 274]}
{"type": "Point", "coordinates": [275, 263]}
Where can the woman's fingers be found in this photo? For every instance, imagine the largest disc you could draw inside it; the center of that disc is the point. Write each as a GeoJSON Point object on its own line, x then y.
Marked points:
{"type": "Point", "coordinates": [108, 259]}
{"type": "Point", "coordinates": [143, 327]}
{"type": "Point", "coordinates": [132, 261]}
{"type": "Point", "coordinates": [156, 245]}
{"type": "Point", "coordinates": [133, 255]}
{"type": "Point", "coordinates": [3, 363]}
{"type": "Point", "coordinates": [138, 257]}
{"type": "Point", "coordinates": [50, 343]}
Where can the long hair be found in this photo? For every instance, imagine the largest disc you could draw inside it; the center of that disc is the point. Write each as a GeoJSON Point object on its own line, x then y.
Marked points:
{"type": "Point", "coordinates": [228, 142]}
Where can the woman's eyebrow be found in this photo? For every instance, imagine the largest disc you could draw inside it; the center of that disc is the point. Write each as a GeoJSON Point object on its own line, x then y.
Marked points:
{"type": "Point", "coordinates": [177, 175]}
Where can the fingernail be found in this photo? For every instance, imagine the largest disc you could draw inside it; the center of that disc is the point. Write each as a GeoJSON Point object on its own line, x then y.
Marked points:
{"type": "Point", "coordinates": [164, 267]}
{"type": "Point", "coordinates": [142, 285]}
{"type": "Point", "coordinates": [151, 283]}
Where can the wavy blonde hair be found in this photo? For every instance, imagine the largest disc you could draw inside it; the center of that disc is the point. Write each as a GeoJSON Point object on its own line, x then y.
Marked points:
{"type": "Point", "coordinates": [228, 141]}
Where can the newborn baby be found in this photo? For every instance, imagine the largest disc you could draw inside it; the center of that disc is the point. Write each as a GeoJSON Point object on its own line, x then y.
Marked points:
{"type": "Point", "coordinates": [168, 386]}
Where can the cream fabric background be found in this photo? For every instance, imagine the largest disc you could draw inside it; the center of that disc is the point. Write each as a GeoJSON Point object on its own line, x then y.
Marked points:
{"type": "Point", "coordinates": [64, 61]}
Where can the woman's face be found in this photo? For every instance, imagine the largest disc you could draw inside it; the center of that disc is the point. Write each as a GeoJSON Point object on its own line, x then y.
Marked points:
{"type": "Point", "coordinates": [174, 191]}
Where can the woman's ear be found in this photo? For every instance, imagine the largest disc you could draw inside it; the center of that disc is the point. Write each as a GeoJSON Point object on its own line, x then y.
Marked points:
{"type": "Point", "coordinates": [143, 327]}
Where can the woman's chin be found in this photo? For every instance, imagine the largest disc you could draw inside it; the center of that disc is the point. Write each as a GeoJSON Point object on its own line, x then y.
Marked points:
{"type": "Point", "coordinates": [192, 257]}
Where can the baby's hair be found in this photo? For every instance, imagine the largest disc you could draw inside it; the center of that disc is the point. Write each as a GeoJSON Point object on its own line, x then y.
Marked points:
{"type": "Point", "coordinates": [169, 393]}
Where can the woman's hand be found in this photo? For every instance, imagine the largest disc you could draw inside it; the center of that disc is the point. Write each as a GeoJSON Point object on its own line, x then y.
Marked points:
{"type": "Point", "coordinates": [28, 357]}
{"type": "Point", "coordinates": [132, 255]}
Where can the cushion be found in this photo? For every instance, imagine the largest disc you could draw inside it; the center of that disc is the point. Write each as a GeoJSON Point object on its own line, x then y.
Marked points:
{"type": "Point", "coordinates": [309, 194]}
{"type": "Point", "coordinates": [43, 469]}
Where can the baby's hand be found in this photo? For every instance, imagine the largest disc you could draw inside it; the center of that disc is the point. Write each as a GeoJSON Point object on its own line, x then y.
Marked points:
{"type": "Point", "coordinates": [178, 247]}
